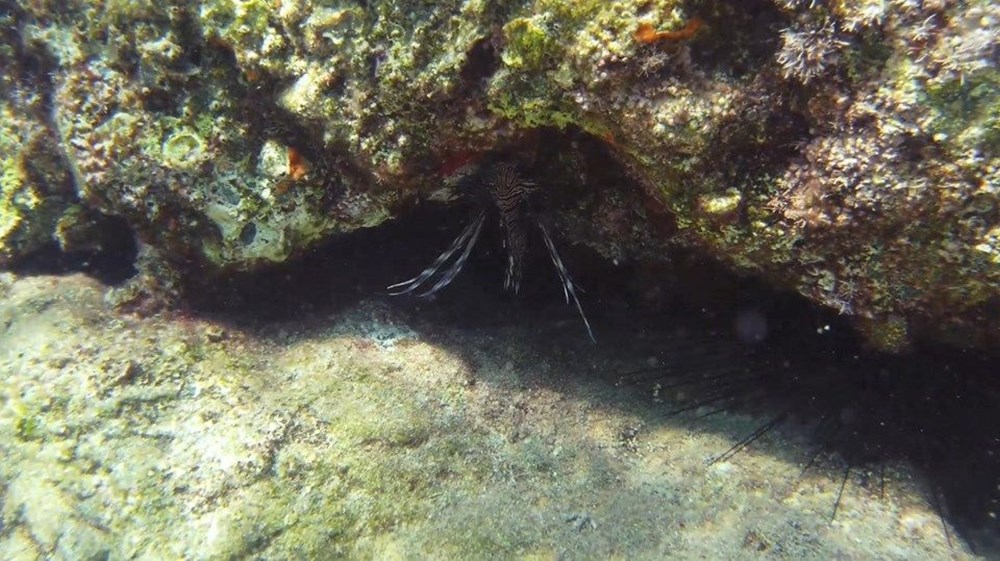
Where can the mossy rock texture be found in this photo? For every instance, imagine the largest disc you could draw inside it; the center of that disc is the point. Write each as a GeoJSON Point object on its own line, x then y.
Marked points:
{"type": "Point", "coordinates": [844, 150]}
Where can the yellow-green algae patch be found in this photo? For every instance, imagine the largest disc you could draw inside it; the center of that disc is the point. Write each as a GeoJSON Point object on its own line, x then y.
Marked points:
{"type": "Point", "coordinates": [34, 183]}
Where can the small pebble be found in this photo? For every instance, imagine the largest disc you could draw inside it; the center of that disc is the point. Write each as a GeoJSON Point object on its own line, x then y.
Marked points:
{"type": "Point", "coordinates": [214, 333]}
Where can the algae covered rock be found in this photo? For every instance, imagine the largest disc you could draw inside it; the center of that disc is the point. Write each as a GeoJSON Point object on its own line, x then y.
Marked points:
{"type": "Point", "coordinates": [36, 185]}
{"type": "Point", "coordinates": [163, 130]}
{"type": "Point", "coordinates": [846, 151]}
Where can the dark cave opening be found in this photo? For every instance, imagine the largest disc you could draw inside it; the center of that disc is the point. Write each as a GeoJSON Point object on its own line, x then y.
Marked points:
{"type": "Point", "coordinates": [106, 250]}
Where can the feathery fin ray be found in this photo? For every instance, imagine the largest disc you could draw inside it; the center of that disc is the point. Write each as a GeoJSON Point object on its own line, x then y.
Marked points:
{"type": "Point", "coordinates": [464, 241]}
{"type": "Point", "coordinates": [509, 193]}
{"type": "Point", "coordinates": [569, 289]}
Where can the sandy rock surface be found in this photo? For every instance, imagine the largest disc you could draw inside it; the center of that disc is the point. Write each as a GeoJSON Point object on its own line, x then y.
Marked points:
{"type": "Point", "coordinates": [359, 435]}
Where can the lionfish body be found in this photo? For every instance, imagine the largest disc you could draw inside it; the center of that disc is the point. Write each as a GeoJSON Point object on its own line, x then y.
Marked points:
{"type": "Point", "coordinates": [509, 193]}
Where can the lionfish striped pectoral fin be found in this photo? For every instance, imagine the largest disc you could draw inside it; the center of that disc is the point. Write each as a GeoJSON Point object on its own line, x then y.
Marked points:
{"type": "Point", "coordinates": [569, 289]}
{"type": "Point", "coordinates": [464, 243]}
{"type": "Point", "coordinates": [516, 246]}
{"type": "Point", "coordinates": [511, 280]}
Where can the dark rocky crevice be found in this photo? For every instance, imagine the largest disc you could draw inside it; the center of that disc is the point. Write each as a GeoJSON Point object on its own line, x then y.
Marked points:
{"type": "Point", "coordinates": [103, 247]}
{"type": "Point", "coordinates": [738, 37]}
{"type": "Point", "coordinates": [481, 61]}
{"type": "Point", "coordinates": [29, 70]}
{"type": "Point", "coordinates": [82, 239]}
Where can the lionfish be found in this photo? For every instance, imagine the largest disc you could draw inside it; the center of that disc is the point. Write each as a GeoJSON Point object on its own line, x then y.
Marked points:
{"type": "Point", "coordinates": [509, 194]}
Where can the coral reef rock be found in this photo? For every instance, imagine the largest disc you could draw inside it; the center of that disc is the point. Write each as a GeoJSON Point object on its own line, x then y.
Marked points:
{"type": "Point", "coordinates": [847, 150]}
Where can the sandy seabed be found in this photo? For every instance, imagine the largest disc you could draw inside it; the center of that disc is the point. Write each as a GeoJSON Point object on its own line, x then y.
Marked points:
{"type": "Point", "coordinates": [362, 433]}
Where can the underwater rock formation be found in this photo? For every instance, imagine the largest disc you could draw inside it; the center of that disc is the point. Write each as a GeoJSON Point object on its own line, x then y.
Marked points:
{"type": "Point", "coordinates": [35, 185]}
{"type": "Point", "coordinates": [847, 151]}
